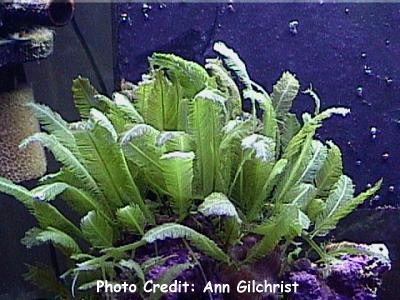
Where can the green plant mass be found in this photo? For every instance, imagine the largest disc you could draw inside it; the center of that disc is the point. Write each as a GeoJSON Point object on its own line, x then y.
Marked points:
{"type": "Point", "coordinates": [176, 157]}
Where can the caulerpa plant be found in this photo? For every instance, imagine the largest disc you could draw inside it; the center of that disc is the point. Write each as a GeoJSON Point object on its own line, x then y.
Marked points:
{"type": "Point", "coordinates": [176, 158]}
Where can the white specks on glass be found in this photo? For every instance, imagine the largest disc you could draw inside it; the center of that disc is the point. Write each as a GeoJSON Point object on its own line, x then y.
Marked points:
{"type": "Point", "coordinates": [388, 80]}
{"type": "Point", "coordinates": [360, 91]}
{"type": "Point", "coordinates": [125, 18]}
{"type": "Point", "coordinates": [146, 7]}
{"type": "Point", "coordinates": [145, 10]}
{"type": "Point", "coordinates": [230, 7]}
{"type": "Point", "coordinates": [385, 156]}
{"type": "Point", "coordinates": [293, 26]}
{"type": "Point", "coordinates": [367, 70]}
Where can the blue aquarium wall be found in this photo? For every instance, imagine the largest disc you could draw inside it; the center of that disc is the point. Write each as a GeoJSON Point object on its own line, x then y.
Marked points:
{"type": "Point", "coordinates": [349, 52]}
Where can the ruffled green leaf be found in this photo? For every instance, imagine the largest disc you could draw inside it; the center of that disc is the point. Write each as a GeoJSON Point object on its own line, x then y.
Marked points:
{"type": "Point", "coordinates": [132, 218]}
{"type": "Point", "coordinates": [206, 120]}
{"type": "Point", "coordinates": [340, 203]}
{"type": "Point", "coordinates": [133, 266]}
{"type": "Point", "coordinates": [100, 119]}
{"type": "Point", "coordinates": [227, 86]}
{"type": "Point", "coordinates": [270, 124]}
{"type": "Point", "coordinates": [177, 170]}
{"type": "Point", "coordinates": [139, 145]}
{"type": "Point", "coordinates": [106, 162]}
{"type": "Point", "coordinates": [330, 171]}
{"type": "Point", "coordinates": [256, 169]}
{"type": "Point", "coordinates": [191, 76]}
{"type": "Point", "coordinates": [17, 191]}
{"type": "Point", "coordinates": [81, 201]}
{"type": "Point", "coordinates": [309, 128]}
{"type": "Point", "coordinates": [288, 223]}
{"type": "Point", "coordinates": [300, 150]}
{"type": "Point", "coordinates": [288, 129]}
{"type": "Point", "coordinates": [301, 195]}
{"type": "Point", "coordinates": [97, 230]}
{"type": "Point", "coordinates": [85, 96]}
{"type": "Point", "coordinates": [175, 231]}
{"type": "Point", "coordinates": [66, 157]}
{"type": "Point", "coordinates": [49, 216]}
{"type": "Point", "coordinates": [284, 92]}
{"type": "Point", "coordinates": [49, 192]}
{"type": "Point", "coordinates": [36, 237]}
{"type": "Point", "coordinates": [53, 123]}
{"type": "Point", "coordinates": [126, 108]}
{"type": "Point", "coordinates": [233, 62]}
{"type": "Point", "coordinates": [170, 141]}
{"type": "Point", "coordinates": [230, 151]}
{"type": "Point", "coordinates": [340, 195]}
{"type": "Point", "coordinates": [157, 99]}
{"type": "Point", "coordinates": [261, 147]}
{"type": "Point", "coordinates": [217, 204]}
{"type": "Point", "coordinates": [316, 159]}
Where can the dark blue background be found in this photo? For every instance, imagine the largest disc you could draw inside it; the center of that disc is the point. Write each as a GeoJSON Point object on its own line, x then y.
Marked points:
{"type": "Point", "coordinates": [327, 51]}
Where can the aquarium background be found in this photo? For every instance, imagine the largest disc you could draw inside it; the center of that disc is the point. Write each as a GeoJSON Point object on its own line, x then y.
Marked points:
{"type": "Point", "coordinates": [349, 52]}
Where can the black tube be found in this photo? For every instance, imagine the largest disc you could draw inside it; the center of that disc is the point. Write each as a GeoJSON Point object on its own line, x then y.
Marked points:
{"type": "Point", "coordinates": [37, 12]}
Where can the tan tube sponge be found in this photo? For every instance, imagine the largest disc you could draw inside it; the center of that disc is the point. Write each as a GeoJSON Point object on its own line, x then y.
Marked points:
{"type": "Point", "coordinates": [16, 123]}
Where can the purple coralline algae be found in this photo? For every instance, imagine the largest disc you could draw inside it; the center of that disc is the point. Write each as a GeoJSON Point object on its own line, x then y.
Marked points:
{"type": "Point", "coordinates": [309, 285]}
{"type": "Point", "coordinates": [355, 277]}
